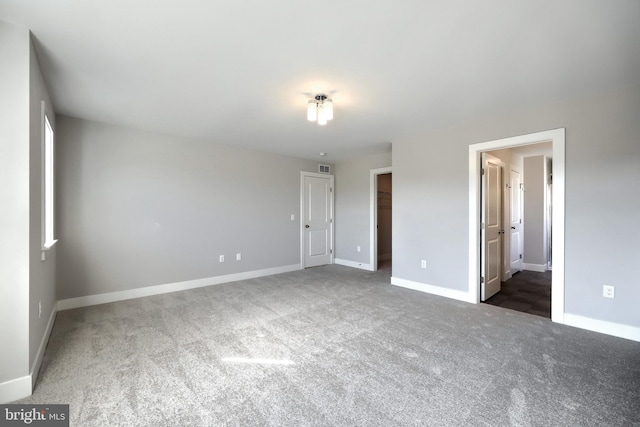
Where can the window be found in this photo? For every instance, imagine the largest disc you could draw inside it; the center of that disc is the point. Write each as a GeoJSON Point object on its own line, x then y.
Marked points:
{"type": "Point", "coordinates": [48, 239]}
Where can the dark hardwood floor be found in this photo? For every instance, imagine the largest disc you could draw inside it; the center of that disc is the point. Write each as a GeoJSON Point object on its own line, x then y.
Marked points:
{"type": "Point", "coordinates": [526, 291]}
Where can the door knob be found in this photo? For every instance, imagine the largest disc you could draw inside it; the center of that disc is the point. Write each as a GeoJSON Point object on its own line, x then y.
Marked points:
{"type": "Point", "coordinates": [513, 228]}
{"type": "Point", "coordinates": [306, 226]}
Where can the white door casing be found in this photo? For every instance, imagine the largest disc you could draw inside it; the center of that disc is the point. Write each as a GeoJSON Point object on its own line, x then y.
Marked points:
{"type": "Point", "coordinates": [557, 138]}
{"type": "Point", "coordinates": [316, 212]}
{"type": "Point", "coordinates": [515, 257]}
{"type": "Point", "coordinates": [491, 226]}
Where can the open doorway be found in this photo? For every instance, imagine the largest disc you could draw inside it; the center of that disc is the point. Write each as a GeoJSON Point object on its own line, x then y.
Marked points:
{"type": "Point", "coordinates": [524, 204]}
{"type": "Point", "coordinates": [381, 198]}
{"type": "Point", "coordinates": [557, 139]}
{"type": "Point", "coordinates": [384, 203]}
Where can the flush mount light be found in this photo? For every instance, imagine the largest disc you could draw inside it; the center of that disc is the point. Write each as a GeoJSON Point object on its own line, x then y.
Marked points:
{"type": "Point", "coordinates": [320, 109]}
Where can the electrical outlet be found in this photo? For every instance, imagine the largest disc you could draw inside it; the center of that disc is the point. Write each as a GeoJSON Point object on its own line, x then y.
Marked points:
{"type": "Point", "coordinates": [358, 248]}
{"type": "Point", "coordinates": [221, 258]}
{"type": "Point", "coordinates": [608, 291]}
{"type": "Point", "coordinates": [238, 256]}
{"type": "Point", "coordinates": [423, 263]}
{"type": "Point", "coordinates": [293, 217]}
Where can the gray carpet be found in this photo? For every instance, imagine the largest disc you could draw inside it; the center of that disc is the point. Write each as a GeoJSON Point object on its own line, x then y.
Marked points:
{"type": "Point", "coordinates": [360, 352]}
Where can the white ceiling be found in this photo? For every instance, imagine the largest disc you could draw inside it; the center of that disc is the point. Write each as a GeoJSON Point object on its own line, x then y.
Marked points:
{"type": "Point", "coordinates": [241, 72]}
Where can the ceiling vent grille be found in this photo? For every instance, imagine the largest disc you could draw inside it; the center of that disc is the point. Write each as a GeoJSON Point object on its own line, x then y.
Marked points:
{"type": "Point", "coordinates": [324, 169]}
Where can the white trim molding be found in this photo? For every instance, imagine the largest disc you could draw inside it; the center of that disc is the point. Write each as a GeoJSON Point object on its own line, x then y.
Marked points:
{"type": "Point", "coordinates": [88, 300]}
{"type": "Point", "coordinates": [354, 264]}
{"type": "Point", "coordinates": [557, 138]}
{"type": "Point", "coordinates": [15, 389]}
{"type": "Point", "coordinates": [373, 214]}
{"type": "Point", "coordinates": [22, 387]}
{"type": "Point", "coordinates": [603, 327]}
{"type": "Point", "coordinates": [431, 289]}
{"type": "Point", "coordinates": [37, 362]}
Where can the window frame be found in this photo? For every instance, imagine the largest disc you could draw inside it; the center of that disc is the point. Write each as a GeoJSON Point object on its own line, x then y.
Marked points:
{"type": "Point", "coordinates": [48, 181]}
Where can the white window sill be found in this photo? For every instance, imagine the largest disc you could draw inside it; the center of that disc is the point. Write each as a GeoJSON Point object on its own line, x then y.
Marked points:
{"type": "Point", "coordinates": [49, 245]}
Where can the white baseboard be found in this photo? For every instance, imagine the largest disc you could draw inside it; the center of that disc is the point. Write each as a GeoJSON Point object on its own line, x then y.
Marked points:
{"type": "Point", "coordinates": [354, 264]}
{"type": "Point", "coordinates": [540, 268]}
{"type": "Point", "coordinates": [88, 300]}
{"type": "Point", "coordinates": [15, 389]}
{"type": "Point", "coordinates": [435, 290]}
{"type": "Point", "coordinates": [615, 329]}
{"type": "Point", "coordinates": [22, 387]}
{"type": "Point", "coordinates": [35, 368]}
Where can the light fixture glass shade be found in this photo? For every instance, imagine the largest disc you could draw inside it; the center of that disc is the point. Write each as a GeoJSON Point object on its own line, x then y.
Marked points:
{"type": "Point", "coordinates": [322, 117]}
{"type": "Point", "coordinates": [312, 111]}
{"type": "Point", "coordinates": [328, 109]}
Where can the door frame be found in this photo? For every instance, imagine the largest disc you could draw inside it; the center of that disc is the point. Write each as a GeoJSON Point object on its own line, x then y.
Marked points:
{"type": "Point", "coordinates": [373, 215]}
{"type": "Point", "coordinates": [557, 137]}
{"type": "Point", "coordinates": [304, 174]}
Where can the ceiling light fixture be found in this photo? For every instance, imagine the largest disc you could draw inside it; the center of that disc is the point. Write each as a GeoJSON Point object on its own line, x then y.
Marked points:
{"type": "Point", "coordinates": [320, 109]}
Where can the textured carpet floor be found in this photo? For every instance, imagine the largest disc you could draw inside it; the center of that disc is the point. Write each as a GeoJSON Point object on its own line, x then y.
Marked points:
{"type": "Point", "coordinates": [360, 352]}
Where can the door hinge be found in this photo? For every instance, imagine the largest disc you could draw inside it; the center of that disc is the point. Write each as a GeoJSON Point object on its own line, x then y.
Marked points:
{"type": "Point", "coordinates": [330, 251]}
{"type": "Point", "coordinates": [520, 220]}
{"type": "Point", "coordinates": [482, 173]}
{"type": "Point", "coordinates": [331, 220]}
{"type": "Point", "coordinates": [481, 279]}
{"type": "Point", "coordinates": [482, 226]}
{"type": "Point", "coordinates": [330, 189]}
{"type": "Point", "coordinates": [520, 256]}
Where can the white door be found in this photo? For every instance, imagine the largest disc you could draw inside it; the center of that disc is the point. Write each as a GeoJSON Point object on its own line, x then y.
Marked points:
{"type": "Point", "coordinates": [317, 219]}
{"type": "Point", "coordinates": [516, 222]}
{"type": "Point", "coordinates": [491, 225]}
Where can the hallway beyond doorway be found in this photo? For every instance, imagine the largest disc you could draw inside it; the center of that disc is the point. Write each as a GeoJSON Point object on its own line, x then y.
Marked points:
{"type": "Point", "coordinates": [527, 292]}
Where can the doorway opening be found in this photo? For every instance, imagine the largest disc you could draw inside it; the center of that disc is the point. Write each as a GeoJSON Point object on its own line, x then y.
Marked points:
{"type": "Point", "coordinates": [381, 189]}
{"type": "Point", "coordinates": [524, 201]}
{"type": "Point", "coordinates": [476, 236]}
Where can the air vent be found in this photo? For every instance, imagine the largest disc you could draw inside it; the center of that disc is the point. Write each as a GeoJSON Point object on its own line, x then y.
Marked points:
{"type": "Point", "coordinates": [324, 168]}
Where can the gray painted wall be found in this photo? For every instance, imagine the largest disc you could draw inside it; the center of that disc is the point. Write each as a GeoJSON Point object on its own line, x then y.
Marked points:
{"type": "Point", "coordinates": [42, 287]}
{"type": "Point", "coordinates": [535, 205]}
{"type": "Point", "coordinates": [14, 199]}
{"type": "Point", "coordinates": [138, 209]}
{"type": "Point", "coordinates": [431, 199]}
{"type": "Point", "coordinates": [25, 280]}
{"type": "Point", "coordinates": [352, 206]}
{"type": "Point", "coordinates": [42, 273]}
